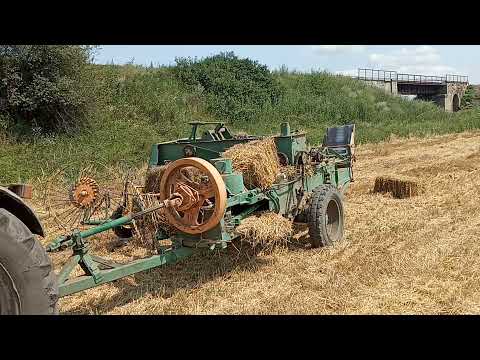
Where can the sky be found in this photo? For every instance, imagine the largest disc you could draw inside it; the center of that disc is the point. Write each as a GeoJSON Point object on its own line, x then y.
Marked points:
{"type": "Point", "coordinates": [339, 59]}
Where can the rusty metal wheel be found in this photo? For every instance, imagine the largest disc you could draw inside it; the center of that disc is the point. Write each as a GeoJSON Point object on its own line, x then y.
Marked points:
{"type": "Point", "coordinates": [70, 198]}
{"type": "Point", "coordinates": [84, 192]}
{"type": "Point", "coordinates": [203, 193]}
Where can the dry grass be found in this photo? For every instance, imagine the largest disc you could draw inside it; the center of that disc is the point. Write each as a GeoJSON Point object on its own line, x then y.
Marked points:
{"type": "Point", "coordinates": [419, 255]}
{"type": "Point", "coordinates": [257, 161]}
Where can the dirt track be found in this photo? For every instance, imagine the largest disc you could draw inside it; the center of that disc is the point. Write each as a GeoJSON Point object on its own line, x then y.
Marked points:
{"type": "Point", "coordinates": [417, 255]}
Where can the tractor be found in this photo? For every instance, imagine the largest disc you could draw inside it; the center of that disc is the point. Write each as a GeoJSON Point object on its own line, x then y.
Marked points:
{"type": "Point", "coordinates": [204, 211]}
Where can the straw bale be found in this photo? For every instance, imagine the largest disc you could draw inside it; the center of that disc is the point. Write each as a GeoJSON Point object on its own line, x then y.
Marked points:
{"type": "Point", "coordinates": [257, 161]}
{"type": "Point", "coordinates": [153, 179]}
{"type": "Point", "coordinates": [265, 229]}
{"type": "Point", "coordinates": [399, 188]}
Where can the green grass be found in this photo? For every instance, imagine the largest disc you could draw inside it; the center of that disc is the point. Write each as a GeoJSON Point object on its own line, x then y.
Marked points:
{"type": "Point", "coordinates": [138, 107]}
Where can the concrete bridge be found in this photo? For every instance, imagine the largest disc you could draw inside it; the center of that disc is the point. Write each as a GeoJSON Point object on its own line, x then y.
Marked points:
{"type": "Point", "coordinates": [446, 91]}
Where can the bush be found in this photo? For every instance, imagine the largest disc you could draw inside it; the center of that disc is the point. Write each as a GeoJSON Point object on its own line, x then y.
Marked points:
{"type": "Point", "coordinates": [234, 88]}
{"type": "Point", "coordinates": [43, 88]}
{"type": "Point", "coordinates": [468, 99]}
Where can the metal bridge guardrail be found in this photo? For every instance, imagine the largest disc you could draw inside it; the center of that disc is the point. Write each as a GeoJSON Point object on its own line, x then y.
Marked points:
{"type": "Point", "coordinates": [457, 78]}
{"type": "Point", "coordinates": [372, 74]}
{"type": "Point", "coordinates": [420, 78]}
{"type": "Point", "coordinates": [385, 75]}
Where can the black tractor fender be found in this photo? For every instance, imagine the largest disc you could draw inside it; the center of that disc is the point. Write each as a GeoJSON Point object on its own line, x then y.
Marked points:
{"type": "Point", "coordinates": [15, 205]}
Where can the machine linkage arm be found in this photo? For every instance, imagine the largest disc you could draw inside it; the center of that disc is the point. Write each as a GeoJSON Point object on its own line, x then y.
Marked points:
{"type": "Point", "coordinates": [65, 241]}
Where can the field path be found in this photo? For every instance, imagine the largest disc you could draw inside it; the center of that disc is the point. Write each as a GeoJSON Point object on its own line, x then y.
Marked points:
{"type": "Point", "coordinates": [416, 256]}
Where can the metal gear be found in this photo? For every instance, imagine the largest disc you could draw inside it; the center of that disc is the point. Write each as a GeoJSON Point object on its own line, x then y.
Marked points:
{"type": "Point", "coordinates": [84, 193]}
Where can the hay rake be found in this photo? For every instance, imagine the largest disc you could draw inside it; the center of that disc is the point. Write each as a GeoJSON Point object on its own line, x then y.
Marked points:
{"type": "Point", "coordinates": [203, 200]}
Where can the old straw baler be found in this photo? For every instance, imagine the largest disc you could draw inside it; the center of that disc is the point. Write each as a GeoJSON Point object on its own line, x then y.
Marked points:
{"type": "Point", "coordinates": [205, 209]}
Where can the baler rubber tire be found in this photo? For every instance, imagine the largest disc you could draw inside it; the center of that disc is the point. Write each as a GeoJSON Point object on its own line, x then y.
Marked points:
{"type": "Point", "coordinates": [316, 216]}
{"type": "Point", "coordinates": [121, 231]}
{"type": "Point", "coordinates": [28, 284]}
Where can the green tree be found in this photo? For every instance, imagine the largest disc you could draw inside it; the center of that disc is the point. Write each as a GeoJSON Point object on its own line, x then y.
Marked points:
{"type": "Point", "coordinates": [44, 87]}
{"type": "Point", "coordinates": [236, 89]}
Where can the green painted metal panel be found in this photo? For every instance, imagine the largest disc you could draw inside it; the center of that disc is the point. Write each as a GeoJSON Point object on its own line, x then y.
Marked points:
{"type": "Point", "coordinates": [154, 156]}
{"type": "Point", "coordinates": [291, 145]}
{"type": "Point", "coordinates": [234, 183]}
{"type": "Point", "coordinates": [224, 166]}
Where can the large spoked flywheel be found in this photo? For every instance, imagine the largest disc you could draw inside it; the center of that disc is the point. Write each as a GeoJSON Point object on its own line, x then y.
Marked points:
{"type": "Point", "coordinates": [203, 193]}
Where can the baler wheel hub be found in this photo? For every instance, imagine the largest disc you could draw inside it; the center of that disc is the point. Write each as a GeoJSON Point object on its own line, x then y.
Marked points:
{"type": "Point", "coordinates": [203, 194]}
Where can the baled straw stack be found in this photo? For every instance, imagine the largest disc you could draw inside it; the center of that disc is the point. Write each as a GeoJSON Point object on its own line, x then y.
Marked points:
{"type": "Point", "coordinates": [149, 224]}
{"type": "Point", "coordinates": [399, 188]}
{"type": "Point", "coordinates": [153, 179]}
{"type": "Point", "coordinates": [265, 230]}
{"type": "Point", "coordinates": [257, 161]}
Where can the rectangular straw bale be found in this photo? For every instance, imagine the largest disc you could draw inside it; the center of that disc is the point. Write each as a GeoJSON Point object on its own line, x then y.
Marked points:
{"type": "Point", "coordinates": [257, 161]}
{"type": "Point", "coordinates": [399, 188]}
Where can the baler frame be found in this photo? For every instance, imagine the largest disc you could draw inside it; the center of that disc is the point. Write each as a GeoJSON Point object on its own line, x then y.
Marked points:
{"type": "Point", "coordinates": [287, 198]}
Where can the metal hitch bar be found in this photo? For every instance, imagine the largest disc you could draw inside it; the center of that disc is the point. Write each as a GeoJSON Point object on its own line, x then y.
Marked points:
{"type": "Point", "coordinates": [98, 270]}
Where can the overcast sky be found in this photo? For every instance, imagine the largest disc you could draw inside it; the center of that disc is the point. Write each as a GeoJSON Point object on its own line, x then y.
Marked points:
{"type": "Point", "coordinates": [345, 59]}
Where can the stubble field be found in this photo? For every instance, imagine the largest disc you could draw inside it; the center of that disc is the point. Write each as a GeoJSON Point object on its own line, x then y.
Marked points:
{"type": "Point", "coordinates": [419, 255]}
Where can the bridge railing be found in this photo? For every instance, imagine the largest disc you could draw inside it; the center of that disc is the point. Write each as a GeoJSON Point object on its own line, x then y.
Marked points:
{"type": "Point", "coordinates": [385, 75]}
{"type": "Point", "coordinates": [457, 78]}
{"type": "Point", "coordinates": [372, 74]}
{"type": "Point", "coordinates": [421, 78]}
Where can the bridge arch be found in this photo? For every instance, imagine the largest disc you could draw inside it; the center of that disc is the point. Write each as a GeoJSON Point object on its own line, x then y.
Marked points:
{"type": "Point", "coordinates": [455, 103]}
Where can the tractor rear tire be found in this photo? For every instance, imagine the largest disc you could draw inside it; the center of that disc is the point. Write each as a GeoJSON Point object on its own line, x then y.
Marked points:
{"type": "Point", "coordinates": [325, 216]}
{"type": "Point", "coordinates": [28, 284]}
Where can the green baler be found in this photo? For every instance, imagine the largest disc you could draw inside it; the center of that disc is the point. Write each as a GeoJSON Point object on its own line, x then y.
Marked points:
{"type": "Point", "coordinates": [206, 212]}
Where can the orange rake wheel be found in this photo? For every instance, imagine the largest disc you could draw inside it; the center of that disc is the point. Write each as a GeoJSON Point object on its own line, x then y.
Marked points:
{"type": "Point", "coordinates": [84, 193]}
{"type": "Point", "coordinates": [203, 193]}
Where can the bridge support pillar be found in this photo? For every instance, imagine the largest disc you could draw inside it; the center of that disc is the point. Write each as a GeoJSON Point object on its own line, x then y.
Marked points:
{"type": "Point", "coordinates": [453, 98]}
{"type": "Point", "coordinates": [389, 86]}
{"type": "Point", "coordinates": [394, 87]}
